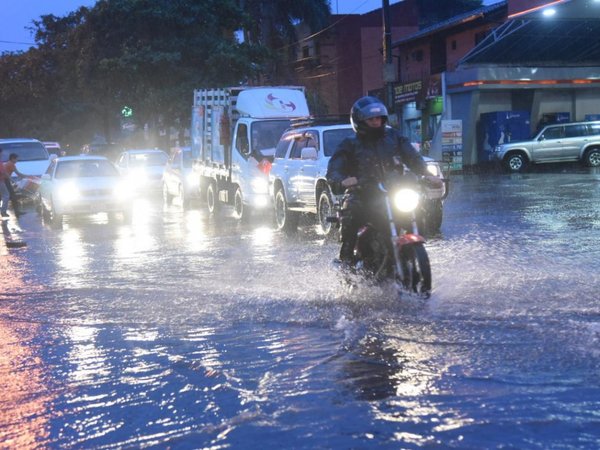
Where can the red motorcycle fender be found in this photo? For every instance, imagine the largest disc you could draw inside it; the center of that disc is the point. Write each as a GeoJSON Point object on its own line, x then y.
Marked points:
{"type": "Point", "coordinates": [408, 239]}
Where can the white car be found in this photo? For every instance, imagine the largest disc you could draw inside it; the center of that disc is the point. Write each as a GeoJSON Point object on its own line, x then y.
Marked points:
{"type": "Point", "coordinates": [178, 178]}
{"type": "Point", "coordinates": [144, 168]}
{"type": "Point", "coordinates": [298, 184]}
{"type": "Point", "coordinates": [33, 155]}
{"type": "Point", "coordinates": [80, 185]}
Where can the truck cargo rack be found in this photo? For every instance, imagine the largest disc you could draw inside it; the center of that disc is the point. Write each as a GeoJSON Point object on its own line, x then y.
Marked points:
{"type": "Point", "coordinates": [313, 121]}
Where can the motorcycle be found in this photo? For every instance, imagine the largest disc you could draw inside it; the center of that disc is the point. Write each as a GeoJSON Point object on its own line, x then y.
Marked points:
{"type": "Point", "coordinates": [390, 247]}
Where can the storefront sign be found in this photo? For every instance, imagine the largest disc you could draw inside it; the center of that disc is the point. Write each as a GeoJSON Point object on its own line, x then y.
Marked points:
{"type": "Point", "coordinates": [452, 150]}
{"type": "Point", "coordinates": [407, 92]}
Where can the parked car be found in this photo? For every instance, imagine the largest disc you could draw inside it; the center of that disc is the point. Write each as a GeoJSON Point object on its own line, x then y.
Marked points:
{"type": "Point", "coordinates": [144, 168]}
{"type": "Point", "coordinates": [297, 178]}
{"type": "Point", "coordinates": [33, 155]}
{"type": "Point", "coordinates": [80, 185]}
{"type": "Point", "coordinates": [178, 178]}
{"type": "Point", "coordinates": [561, 142]}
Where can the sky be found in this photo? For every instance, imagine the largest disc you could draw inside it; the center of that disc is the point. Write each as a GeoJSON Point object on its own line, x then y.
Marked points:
{"type": "Point", "coordinates": [17, 15]}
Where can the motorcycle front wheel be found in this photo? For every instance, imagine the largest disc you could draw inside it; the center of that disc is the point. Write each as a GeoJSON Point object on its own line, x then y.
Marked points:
{"type": "Point", "coordinates": [417, 270]}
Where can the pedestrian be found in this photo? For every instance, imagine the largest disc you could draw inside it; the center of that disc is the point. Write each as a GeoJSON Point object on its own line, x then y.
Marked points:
{"type": "Point", "coordinates": [8, 168]}
{"type": "Point", "coordinates": [4, 192]}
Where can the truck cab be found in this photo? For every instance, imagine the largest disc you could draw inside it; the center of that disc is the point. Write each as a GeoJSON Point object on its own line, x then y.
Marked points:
{"type": "Point", "coordinates": [234, 135]}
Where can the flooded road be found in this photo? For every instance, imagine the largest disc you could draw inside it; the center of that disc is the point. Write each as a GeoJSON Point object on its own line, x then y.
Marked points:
{"type": "Point", "coordinates": [186, 331]}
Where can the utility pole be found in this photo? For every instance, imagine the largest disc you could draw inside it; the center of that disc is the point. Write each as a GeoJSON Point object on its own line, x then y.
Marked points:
{"type": "Point", "coordinates": [389, 74]}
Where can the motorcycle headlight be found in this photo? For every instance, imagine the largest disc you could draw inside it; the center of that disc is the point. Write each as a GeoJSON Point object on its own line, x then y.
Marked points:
{"type": "Point", "coordinates": [260, 186]}
{"type": "Point", "coordinates": [68, 193]}
{"type": "Point", "coordinates": [406, 200]}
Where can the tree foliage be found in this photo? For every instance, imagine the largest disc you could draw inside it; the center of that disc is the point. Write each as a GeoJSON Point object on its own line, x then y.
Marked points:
{"type": "Point", "coordinates": [146, 54]}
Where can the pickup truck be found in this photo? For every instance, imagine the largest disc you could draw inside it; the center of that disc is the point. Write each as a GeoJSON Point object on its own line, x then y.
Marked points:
{"type": "Point", "coordinates": [298, 185]}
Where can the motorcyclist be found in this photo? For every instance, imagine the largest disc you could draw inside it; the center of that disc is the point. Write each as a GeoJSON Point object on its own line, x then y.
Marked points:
{"type": "Point", "coordinates": [375, 150]}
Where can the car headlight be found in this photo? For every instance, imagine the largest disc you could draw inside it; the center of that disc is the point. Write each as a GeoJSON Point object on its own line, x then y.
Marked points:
{"type": "Point", "coordinates": [191, 179]}
{"type": "Point", "coordinates": [406, 200]}
{"type": "Point", "coordinates": [68, 193]}
{"type": "Point", "coordinates": [434, 169]}
{"type": "Point", "coordinates": [138, 177]}
{"type": "Point", "coordinates": [260, 185]}
{"type": "Point", "coordinates": [123, 190]}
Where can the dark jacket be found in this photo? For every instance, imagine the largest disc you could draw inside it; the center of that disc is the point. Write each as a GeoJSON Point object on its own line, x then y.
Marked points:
{"type": "Point", "coordinates": [368, 158]}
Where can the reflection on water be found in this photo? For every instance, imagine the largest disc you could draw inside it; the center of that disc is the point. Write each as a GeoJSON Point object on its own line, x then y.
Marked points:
{"type": "Point", "coordinates": [185, 330]}
{"type": "Point", "coordinates": [26, 399]}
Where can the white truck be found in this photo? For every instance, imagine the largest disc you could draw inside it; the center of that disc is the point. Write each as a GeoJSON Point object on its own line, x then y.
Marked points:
{"type": "Point", "coordinates": [234, 134]}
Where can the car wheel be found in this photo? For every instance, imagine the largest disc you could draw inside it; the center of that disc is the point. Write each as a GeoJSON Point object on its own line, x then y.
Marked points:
{"type": "Point", "coordinates": [285, 219]}
{"type": "Point", "coordinates": [515, 162]}
{"type": "Point", "coordinates": [324, 211]}
{"type": "Point", "coordinates": [185, 201]}
{"type": "Point", "coordinates": [592, 157]}
{"type": "Point", "coordinates": [212, 200]}
{"type": "Point", "coordinates": [56, 220]}
{"type": "Point", "coordinates": [240, 211]}
{"type": "Point", "coordinates": [168, 198]}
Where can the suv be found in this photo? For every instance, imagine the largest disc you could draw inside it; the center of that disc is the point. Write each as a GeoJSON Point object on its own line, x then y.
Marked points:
{"type": "Point", "coordinates": [561, 142]}
{"type": "Point", "coordinates": [297, 180]}
{"type": "Point", "coordinates": [34, 158]}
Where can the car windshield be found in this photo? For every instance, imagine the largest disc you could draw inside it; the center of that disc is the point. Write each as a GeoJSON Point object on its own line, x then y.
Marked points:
{"type": "Point", "coordinates": [27, 151]}
{"type": "Point", "coordinates": [266, 135]}
{"type": "Point", "coordinates": [85, 169]}
{"type": "Point", "coordinates": [187, 159]}
{"type": "Point", "coordinates": [333, 138]}
{"type": "Point", "coordinates": [147, 159]}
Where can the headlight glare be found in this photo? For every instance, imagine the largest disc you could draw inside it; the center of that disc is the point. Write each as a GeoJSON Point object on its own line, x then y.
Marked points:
{"type": "Point", "coordinates": [406, 200]}
{"type": "Point", "coordinates": [260, 186]}
{"type": "Point", "coordinates": [434, 169]}
{"type": "Point", "coordinates": [68, 193]}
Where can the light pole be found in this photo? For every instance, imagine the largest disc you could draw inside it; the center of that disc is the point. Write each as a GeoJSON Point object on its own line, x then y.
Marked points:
{"type": "Point", "coordinates": [389, 74]}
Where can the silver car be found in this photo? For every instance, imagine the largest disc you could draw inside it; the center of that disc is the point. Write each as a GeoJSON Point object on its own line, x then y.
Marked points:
{"type": "Point", "coordinates": [562, 142]}
{"type": "Point", "coordinates": [178, 177]}
{"type": "Point", "coordinates": [298, 184]}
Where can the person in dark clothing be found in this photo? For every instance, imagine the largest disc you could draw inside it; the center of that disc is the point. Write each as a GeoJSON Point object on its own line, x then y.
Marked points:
{"type": "Point", "coordinates": [375, 150]}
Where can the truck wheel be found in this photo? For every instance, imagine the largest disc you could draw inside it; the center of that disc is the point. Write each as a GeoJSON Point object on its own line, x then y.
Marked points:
{"type": "Point", "coordinates": [212, 198]}
{"type": "Point", "coordinates": [285, 219]}
{"type": "Point", "coordinates": [325, 210]}
{"type": "Point", "coordinates": [515, 162]}
{"type": "Point", "coordinates": [240, 211]}
{"type": "Point", "coordinates": [592, 157]}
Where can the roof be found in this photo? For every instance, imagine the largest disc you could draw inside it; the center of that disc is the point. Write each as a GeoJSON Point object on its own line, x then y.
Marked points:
{"type": "Point", "coordinates": [534, 42]}
{"type": "Point", "coordinates": [454, 21]}
{"type": "Point", "coordinates": [569, 38]}
{"type": "Point", "coordinates": [81, 158]}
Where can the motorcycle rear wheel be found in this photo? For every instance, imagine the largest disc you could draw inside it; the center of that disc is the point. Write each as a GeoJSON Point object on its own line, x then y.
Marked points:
{"type": "Point", "coordinates": [417, 269]}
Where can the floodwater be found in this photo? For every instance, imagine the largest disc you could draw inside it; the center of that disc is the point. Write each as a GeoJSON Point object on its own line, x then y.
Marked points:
{"type": "Point", "coordinates": [185, 331]}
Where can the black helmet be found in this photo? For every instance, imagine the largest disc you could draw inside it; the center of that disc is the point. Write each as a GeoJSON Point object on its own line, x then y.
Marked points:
{"type": "Point", "coordinates": [366, 108]}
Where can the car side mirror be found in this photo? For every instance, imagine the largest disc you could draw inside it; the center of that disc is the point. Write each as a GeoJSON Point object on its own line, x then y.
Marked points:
{"type": "Point", "coordinates": [308, 153]}
{"type": "Point", "coordinates": [53, 156]}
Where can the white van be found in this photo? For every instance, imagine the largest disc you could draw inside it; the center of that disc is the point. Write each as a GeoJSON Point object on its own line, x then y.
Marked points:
{"type": "Point", "coordinates": [34, 158]}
